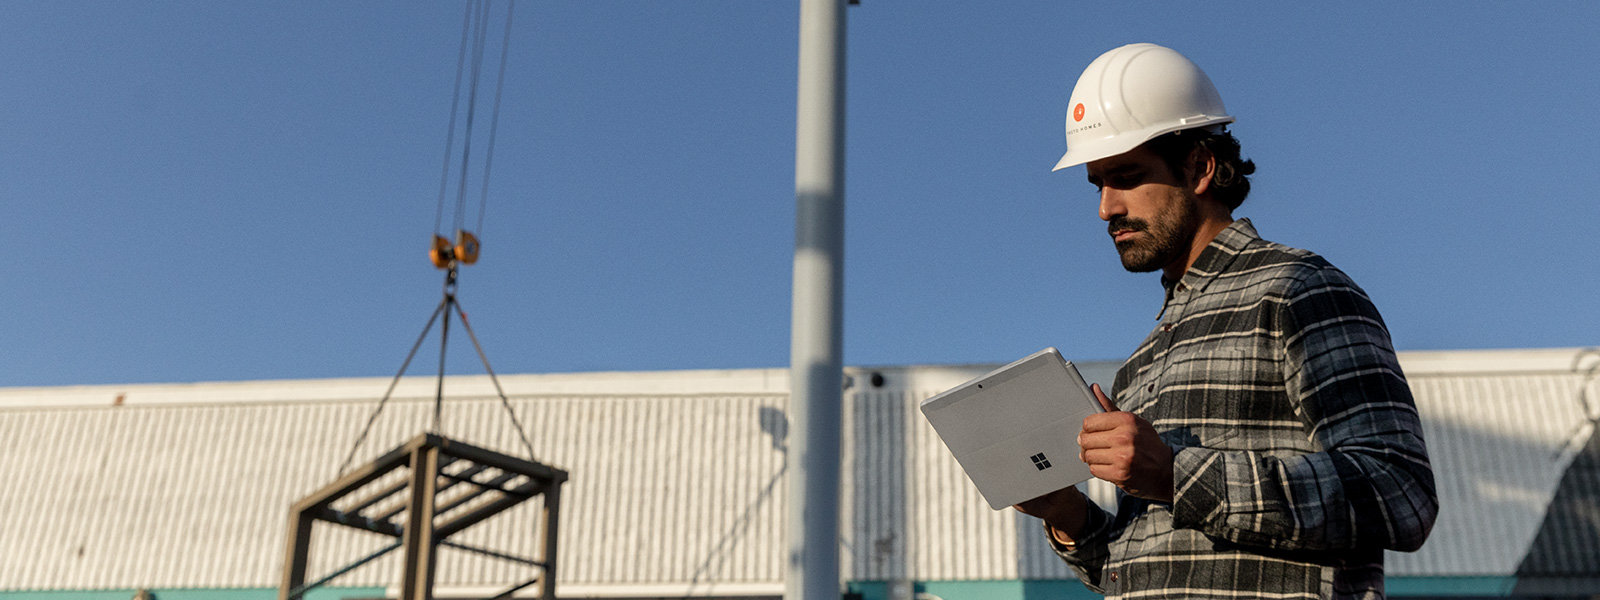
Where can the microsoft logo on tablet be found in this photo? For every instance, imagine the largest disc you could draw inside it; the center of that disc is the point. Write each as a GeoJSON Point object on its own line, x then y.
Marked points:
{"type": "Point", "coordinates": [1040, 461]}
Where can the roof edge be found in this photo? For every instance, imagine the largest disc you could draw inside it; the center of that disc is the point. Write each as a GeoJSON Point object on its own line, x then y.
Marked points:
{"type": "Point", "coordinates": [771, 381]}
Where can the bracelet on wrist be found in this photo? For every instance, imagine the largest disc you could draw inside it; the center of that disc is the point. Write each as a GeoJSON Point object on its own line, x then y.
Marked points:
{"type": "Point", "coordinates": [1057, 535]}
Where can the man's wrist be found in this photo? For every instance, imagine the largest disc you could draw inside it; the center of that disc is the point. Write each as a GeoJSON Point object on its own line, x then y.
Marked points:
{"type": "Point", "coordinates": [1066, 531]}
{"type": "Point", "coordinates": [1064, 514]}
{"type": "Point", "coordinates": [1061, 538]}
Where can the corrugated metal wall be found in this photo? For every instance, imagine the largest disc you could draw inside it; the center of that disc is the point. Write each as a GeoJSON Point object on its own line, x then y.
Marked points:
{"type": "Point", "coordinates": [1500, 444]}
{"type": "Point", "coordinates": [677, 479]}
{"type": "Point", "coordinates": [663, 489]}
{"type": "Point", "coordinates": [912, 512]}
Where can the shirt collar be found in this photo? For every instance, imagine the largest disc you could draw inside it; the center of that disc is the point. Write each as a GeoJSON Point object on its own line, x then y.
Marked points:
{"type": "Point", "coordinates": [1214, 259]}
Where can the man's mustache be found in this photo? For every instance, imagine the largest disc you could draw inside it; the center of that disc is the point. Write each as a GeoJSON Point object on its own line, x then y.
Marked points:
{"type": "Point", "coordinates": [1123, 223]}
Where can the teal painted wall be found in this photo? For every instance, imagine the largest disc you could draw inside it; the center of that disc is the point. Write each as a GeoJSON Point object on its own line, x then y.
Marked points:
{"type": "Point", "coordinates": [1489, 587]}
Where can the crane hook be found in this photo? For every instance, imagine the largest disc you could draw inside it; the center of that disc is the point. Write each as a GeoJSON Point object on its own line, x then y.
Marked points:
{"type": "Point", "coordinates": [445, 255]}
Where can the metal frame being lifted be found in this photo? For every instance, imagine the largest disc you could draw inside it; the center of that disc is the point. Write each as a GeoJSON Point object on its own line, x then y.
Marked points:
{"type": "Point", "coordinates": [447, 486]}
{"type": "Point", "coordinates": [432, 487]}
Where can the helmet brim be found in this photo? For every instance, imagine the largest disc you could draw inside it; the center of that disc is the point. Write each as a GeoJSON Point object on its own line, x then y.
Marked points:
{"type": "Point", "coordinates": [1119, 144]}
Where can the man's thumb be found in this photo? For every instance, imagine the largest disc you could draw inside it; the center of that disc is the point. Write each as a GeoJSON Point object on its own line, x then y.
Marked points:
{"type": "Point", "coordinates": [1105, 400]}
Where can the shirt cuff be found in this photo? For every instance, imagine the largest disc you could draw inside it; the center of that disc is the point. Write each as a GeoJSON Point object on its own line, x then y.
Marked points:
{"type": "Point", "coordinates": [1198, 486]}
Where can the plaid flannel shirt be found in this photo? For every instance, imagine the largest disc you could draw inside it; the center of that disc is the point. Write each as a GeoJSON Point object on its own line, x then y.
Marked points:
{"type": "Point", "coordinates": [1298, 454]}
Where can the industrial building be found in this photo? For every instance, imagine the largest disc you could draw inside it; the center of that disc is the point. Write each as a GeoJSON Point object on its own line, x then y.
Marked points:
{"type": "Point", "coordinates": [182, 491]}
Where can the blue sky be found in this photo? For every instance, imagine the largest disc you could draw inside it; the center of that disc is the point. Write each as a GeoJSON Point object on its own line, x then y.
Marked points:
{"type": "Point", "coordinates": [201, 191]}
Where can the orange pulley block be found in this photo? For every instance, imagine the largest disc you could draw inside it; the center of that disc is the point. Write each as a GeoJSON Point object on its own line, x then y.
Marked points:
{"type": "Point", "coordinates": [442, 255]}
{"type": "Point", "coordinates": [466, 247]}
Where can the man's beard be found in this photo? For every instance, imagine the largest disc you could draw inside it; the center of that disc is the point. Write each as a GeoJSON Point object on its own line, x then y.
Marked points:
{"type": "Point", "coordinates": [1168, 237]}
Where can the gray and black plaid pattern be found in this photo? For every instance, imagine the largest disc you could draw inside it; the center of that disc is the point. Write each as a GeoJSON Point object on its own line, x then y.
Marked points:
{"type": "Point", "coordinates": [1298, 449]}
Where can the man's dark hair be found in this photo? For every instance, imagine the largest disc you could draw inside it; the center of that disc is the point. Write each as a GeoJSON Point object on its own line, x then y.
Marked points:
{"type": "Point", "coordinates": [1231, 183]}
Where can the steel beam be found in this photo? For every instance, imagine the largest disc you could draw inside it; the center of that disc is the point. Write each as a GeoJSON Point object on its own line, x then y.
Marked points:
{"type": "Point", "coordinates": [416, 581]}
{"type": "Point", "coordinates": [425, 527]}
{"type": "Point", "coordinates": [547, 539]}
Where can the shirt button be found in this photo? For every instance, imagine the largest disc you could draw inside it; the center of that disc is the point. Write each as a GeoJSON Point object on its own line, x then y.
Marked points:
{"type": "Point", "coordinates": [1113, 576]}
{"type": "Point", "coordinates": [1150, 388]}
{"type": "Point", "coordinates": [1183, 288]}
{"type": "Point", "coordinates": [1166, 327]}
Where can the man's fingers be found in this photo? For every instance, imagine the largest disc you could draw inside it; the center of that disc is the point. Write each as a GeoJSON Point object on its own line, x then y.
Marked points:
{"type": "Point", "coordinates": [1105, 401]}
{"type": "Point", "coordinates": [1091, 441]}
{"type": "Point", "coordinates": [1102, 456]}
{"type": "Point", "coordinates": [1107, 421]}
{"type": "Point", "coordinates": [1051, 504]}
{"type": "Point", "coordinates": [1114, 474]}
{"type": "Point", "coordinates": [1029, 507]}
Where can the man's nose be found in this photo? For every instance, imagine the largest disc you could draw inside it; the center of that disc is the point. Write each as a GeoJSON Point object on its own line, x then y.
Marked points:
{"type": "Point", "coordinates": [1111, 205]}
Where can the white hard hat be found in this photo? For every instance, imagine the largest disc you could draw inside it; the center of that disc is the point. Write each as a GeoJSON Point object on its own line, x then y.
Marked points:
{"type": "Point", "coordinates": [1132, 94]}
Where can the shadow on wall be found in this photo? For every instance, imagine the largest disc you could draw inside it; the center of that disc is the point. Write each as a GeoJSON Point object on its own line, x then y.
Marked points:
{"type": "Point", "coordinates": [1567, 547]}
{"type": "Point", "coordinates": [775, 424]}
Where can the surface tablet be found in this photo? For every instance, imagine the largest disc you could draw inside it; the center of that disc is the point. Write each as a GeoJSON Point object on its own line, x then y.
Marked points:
{"type": "Point", "coordinates": [1015, 429]}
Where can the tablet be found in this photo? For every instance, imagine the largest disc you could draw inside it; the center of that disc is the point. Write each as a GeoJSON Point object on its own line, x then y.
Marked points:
{"type": "Point", "coordinates": [1015, 429]}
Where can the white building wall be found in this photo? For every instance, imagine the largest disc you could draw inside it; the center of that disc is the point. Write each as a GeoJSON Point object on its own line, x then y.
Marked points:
{"type": "Point", "coordinates": [676, 478]}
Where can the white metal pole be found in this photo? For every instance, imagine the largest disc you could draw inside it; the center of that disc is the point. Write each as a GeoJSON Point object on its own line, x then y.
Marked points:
{"type": "Point", "coordinates": [816, 365]}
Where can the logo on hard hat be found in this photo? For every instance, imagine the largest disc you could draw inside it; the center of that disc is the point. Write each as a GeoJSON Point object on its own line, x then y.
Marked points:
{"type": "Point", "coordinates": [1077, 112]}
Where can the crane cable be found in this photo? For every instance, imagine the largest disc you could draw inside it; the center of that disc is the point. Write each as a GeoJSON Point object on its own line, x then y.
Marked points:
{"type": "Point", "coordinates": [465, 250]}
{"type": "Point", "coordinates": [478, 29]}
{"type": "Point", "coordinates": [474, 32]}
{"type": "Point", "coordinates": [494, 118]}
{"type": "Point", "coordinates": [450, 134]}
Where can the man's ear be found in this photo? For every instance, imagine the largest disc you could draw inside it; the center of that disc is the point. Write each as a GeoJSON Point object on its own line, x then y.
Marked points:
{"type": "Point", "coordinates": [1202, 168]}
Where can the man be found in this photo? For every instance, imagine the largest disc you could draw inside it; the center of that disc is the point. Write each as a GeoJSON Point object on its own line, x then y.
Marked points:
{"type": "Point", "coordinates": [1267, 445]}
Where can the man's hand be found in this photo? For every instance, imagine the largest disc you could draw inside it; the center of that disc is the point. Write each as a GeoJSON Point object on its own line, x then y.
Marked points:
{"type": "Point", "coordinates": [1125, 450]}
{"type": "Point", "coordinates": [1064, 510]}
